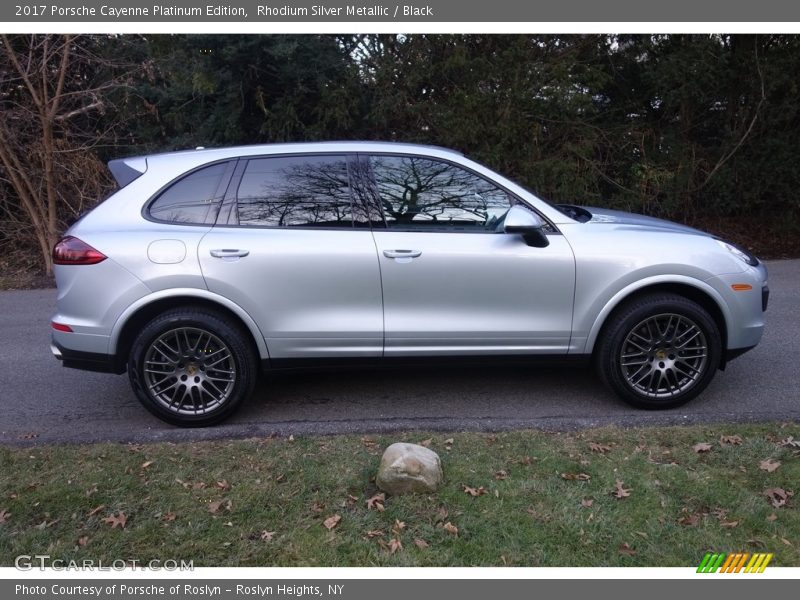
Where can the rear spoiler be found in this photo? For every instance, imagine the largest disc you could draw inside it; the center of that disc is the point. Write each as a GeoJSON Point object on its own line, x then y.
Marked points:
{"type": "Point", "coordinates": [126, 170]}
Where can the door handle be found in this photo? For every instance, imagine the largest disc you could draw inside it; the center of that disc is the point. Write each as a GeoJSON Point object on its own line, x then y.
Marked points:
{"type": "Point", "coordinates": [229, 253]}
{"type": "Point", "coordinates": [402, 253]}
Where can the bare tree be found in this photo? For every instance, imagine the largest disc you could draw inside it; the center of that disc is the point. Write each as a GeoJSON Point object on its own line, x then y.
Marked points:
{"type": "Point", "coordinates": [55, 91]}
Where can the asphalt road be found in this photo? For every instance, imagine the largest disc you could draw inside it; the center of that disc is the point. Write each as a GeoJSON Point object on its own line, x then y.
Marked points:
{"type": "Point", "coordinates": [42, 402]}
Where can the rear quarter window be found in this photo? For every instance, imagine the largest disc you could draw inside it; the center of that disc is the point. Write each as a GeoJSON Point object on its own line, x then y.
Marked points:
{"type": "Point", "coordinates": [195, 198]}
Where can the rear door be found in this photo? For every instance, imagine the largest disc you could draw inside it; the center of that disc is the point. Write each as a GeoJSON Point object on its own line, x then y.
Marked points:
{"type": "Point", "coordinates": [290, 249]}
{"type": "Point", "coordinates": [453, 281]}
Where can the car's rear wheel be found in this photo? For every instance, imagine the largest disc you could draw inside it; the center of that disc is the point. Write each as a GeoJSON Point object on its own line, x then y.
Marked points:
{"type": "Point", "coordinates": [659, 351]}
{"type": "Point", "coordinates": [192, 367]}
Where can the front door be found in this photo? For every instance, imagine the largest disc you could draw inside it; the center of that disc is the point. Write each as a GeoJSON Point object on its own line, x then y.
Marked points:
{"type": "Point", "coordinates": [453, 282]}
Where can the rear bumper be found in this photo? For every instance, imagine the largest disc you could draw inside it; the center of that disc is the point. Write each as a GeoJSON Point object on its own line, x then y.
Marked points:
{"type": "Point", "coordinates": [87, 361]}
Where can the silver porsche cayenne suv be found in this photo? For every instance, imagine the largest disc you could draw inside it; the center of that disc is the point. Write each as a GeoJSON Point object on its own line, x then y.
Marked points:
{"type": "Point", "coordinates": [209, 266]}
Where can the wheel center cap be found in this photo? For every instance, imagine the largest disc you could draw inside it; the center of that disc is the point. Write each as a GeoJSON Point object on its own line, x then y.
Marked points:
{"type": "Point", "coordinates": [661, 354]}
{"type": "Point", "coordinates": [191, 369]}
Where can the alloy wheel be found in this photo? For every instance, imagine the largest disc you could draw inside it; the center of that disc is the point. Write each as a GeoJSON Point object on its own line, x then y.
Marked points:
{"type": "Point", "coordinates": [189, 371]}
{"type": "Point", "coordinates": [663, 356]}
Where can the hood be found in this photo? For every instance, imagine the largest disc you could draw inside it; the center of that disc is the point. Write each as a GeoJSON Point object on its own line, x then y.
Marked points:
{"type": "Point", "coordinates": [605, 215]}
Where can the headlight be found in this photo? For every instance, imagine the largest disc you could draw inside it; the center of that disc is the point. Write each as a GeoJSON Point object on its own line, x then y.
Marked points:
{"type": "Point", "coordinates": [740, 253]}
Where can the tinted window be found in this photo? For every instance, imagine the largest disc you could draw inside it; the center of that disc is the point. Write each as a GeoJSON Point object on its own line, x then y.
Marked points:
{"type": "Point", "coordinates": [193, 199]}
{"type": "Point", "coordinates": [424, 194]}
{"type": "Point", "coordinates": [297, 191]}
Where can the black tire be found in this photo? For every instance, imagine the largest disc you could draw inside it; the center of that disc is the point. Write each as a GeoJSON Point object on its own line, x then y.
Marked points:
{"type": "Point", "coordinates": [674, 366]}
{"type": "Point", "coordinates": [192, 367]}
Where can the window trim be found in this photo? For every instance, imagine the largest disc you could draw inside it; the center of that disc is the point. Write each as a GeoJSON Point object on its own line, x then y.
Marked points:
{"type": "Point", "coordinates": [224, 183]}
{"type": "Point", "coordinates": [374, 194]}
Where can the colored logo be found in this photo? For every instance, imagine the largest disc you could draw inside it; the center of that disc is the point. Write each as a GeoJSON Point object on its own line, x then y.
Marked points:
{"type": "Point", "coordinates": [740, 562]}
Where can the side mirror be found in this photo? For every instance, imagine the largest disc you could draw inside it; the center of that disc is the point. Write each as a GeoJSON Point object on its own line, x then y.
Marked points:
{"type": "Point", "coordinates": [523, 221]}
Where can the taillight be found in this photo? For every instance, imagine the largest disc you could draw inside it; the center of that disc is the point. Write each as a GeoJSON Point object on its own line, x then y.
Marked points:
{"type": "Point", "coordinates": [72, 251]}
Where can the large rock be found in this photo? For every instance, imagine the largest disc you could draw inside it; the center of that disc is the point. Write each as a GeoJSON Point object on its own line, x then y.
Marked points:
{"type": "Point", "coordinates": [409, 468]}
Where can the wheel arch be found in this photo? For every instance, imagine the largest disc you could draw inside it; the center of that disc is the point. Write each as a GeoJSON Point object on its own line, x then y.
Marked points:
{"type": "Point", "coordinates": [697, 291]}
{"type": "Point", "coordinates": [140, 313]}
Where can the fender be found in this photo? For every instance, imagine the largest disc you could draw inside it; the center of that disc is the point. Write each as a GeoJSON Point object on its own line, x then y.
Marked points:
{"type": "Point", "coordinates": [625, 292]}
{"type": "Point", "coordinates": [194, 293]}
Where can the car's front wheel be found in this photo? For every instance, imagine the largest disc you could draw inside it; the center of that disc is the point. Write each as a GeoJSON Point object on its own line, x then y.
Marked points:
{"type": "Point", "coordinates": [192, 367]}
{"type": "Point", "coordinates": [659, 351]}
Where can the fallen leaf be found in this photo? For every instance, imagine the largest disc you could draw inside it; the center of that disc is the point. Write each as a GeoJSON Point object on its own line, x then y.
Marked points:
{"type": "Point", "coordinates": [267, 536]}
{"type": "Point", "coordinates": [317, 507]}
{"type": "Point", "coordinates": [525, 460]}
{"type": "Point", "coordinates": [223, 485]}
{"type": "Point", "coordinates": [214, 507]}
{"type": "Point", "coordinates": [368, 442]}
{"type": "Point", "coordinates": [790, 441]}
{"type": "Point", "coordinates": [626, 550]}
{"type": "Point", "coordinates": [376, 502]}
{"type": "Point", "coordinates": [96, 510]}
{"type": "Point", "coordinates": [199, 485]}
{"type": "Point", "coordinates": [689, 520]}
{"type": "Point", "coordinates": [448, 442]}
{"type": "Point", "coordinates": [395, 545]}
{"type": "Point", "coordinates": [778, 496]}
{"type": "Point", "coordinates": [642, 534]}
{"type": "Point", "coordinates": [772, 517]}
{"type": "Point", "coordinates": [441, 514]}
{"type": "Point", "coordinates": [83, 540]}
{"type": "Point", "coordinates": [91, 492]}
{"type": "Point", "coordinates": [45, 524]}
{"type": "Point", "coordinates": [117, 520]}
{"type": "Point", "coordinates": [291, 438]}
{"type": "Point", "coordinates": [426, 443]}
{"type": "Point", "coordinates": [146, 464]}
{"type": "Point", "coordinates": [332, 521]}
{"type": "Point", "coordinates": [620, 491]}
{"type": "Point", "coordinates": [576, 476]}
{"type": "Point", "coordinates": [374, 533]}
{"type": "Point", "coordinates": [474, 491]}
{"type": "Point", "coordinates": [702, 447]}
{"type": "Point", "coordinates": [169, 517]}
{"type": "Point", "coordinates": [450, 528]}
{"type": "Point", "coordinates": [587, 502]}
{"type": "Point", "coordinates": [4, 514]}
{"type": "Point", "coordinates": [769, 465]}
{"type": "Point", "coordinates": [731, 440]}
{"type": "Point", "coordinates": [599, 448]}
{"type": "Point", "coordinates": [785, 541]}
{"type": "Point", "coordinates": [398, 526]}
{"type": "Point", "coordinates": [729, 524]}
{"type": "Point", "coordinates": [420, 543]}
{"type": "Point", "coordinates": [501, 475]}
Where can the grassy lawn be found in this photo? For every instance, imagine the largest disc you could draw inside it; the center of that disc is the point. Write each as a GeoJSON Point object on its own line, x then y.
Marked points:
{"type": "Point", "coordinates": [543, 499]}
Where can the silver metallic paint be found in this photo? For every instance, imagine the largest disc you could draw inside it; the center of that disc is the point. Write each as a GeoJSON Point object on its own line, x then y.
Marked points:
{"type": "Point", "coordinates": [310, 293]}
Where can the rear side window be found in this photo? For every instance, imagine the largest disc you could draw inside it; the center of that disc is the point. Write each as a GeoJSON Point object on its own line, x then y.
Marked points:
{"type": "Point", "coordinates": [195, 198]}
{"type": "Point", "coordinates": [296, 191]}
